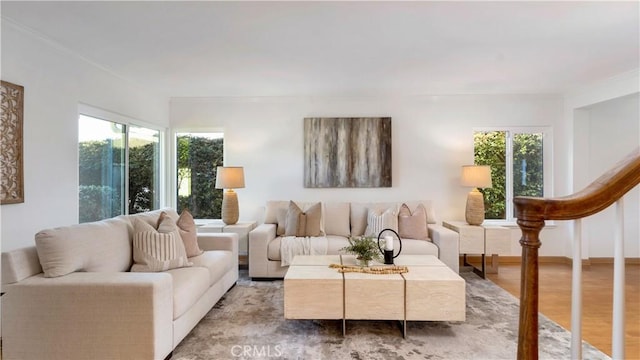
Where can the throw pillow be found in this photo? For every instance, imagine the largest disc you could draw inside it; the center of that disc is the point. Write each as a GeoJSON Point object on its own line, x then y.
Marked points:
{"type": "Point", "coordinates": [313, 220]}
{"type": "Point", "coordinates": [188, 233]}
{"type": "Point", "coordinates": [299, 223]}
{"type": "Point", "coordinates": [296, 221]}
{"type": "Point", "coordinates": [282, 221]}
{"type": "Point", "coordinates": [166, 224]}
{"type": "Point", "coordinates": [157, 250]}
{"type": "Point", "coordinates": [378, 220]}
{"type": "Point", "coordinates": [413, 225]}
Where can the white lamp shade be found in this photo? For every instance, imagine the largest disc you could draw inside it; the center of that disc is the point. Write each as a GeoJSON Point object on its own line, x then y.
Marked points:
{"type": "Point", "coordinates": [476, 176]}
{"type": "Point", "coordinates": [229, 177]}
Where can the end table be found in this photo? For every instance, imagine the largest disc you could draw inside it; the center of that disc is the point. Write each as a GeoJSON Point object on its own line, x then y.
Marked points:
{"type": "Point", "coordinates": [483, 240]}
{"type": "Point", "coordinates": [241, 228]}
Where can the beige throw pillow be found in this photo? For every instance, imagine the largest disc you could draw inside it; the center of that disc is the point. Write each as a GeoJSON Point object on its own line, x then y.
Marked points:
{"type": "Point", "coordinates": [157, 250]}
{"type": "Point", "coordinates": [188, 233]}
{"type": "Point", "coordinates": [378, 220]}
{"type": "Point", "coordinates": [299, 223]}
{"type": "Point", "coordinates": [282, 221]}
{"type": "Point", "coordinates": [296, 221]}
{"type": "Point", "coordinates": [314, 219]}
{"type": "Point", "coordinates": [413, 225]}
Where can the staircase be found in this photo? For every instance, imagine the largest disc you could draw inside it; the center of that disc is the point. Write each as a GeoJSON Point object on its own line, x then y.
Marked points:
{"type": "Point", "coordinates": [532, 213]}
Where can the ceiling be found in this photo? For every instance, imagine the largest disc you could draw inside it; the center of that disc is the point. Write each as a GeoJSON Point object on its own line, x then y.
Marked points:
{"type": "Point", "coordinates": [200, 49]}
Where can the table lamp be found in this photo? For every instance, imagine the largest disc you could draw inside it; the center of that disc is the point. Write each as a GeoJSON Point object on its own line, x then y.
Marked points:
{"type": "Point", "coordinates": [230, 177]}
{"type": "Point", "coordinates": [475, 176]}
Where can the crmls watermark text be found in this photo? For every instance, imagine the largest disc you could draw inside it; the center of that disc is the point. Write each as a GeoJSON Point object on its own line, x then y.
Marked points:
{"type": "Point", "coordinates": [256, 351]}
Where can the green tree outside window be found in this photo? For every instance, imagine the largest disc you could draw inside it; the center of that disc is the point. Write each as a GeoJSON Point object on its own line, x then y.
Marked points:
{"type": "Point", "coordinates": [522, 154]}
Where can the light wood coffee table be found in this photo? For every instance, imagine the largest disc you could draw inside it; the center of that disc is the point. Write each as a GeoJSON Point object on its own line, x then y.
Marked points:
{"type": "Point", "coordinates": [430, 291]}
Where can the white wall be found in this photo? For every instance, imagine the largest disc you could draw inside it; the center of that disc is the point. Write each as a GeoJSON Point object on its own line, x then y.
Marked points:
{"type": "Point", "coordinates": [605, 126]}
{"type": "Point", "coordinates": [613, 129]}
{"type": "Point", "coordinates": [432, 138]}
{"type": "Point", "coordinates": [55, 82]}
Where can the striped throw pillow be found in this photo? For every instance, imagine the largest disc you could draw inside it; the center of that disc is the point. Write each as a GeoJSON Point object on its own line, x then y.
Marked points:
{"type": "Point", "coordinates": [155, 251]}
{"type": "Point", "coordinates": [378, 220]}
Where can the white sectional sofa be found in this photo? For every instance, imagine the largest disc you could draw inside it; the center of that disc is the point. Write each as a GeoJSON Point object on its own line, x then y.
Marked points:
{"type": "Point", "coordinates": [339, 221]}
{"type": "Point", "coordinates": [100, 310]}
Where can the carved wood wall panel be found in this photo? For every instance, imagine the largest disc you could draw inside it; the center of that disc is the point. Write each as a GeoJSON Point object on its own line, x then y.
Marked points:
{"type": "Point", "coordinates": [11, 161]}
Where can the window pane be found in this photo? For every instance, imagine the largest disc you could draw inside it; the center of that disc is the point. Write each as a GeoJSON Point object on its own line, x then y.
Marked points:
{"type": "Point", "coordinates": [490, 148]}
{"type": "Point", "coordinates": [198, 156]}
{"type": "Point", "coordinates": [144, 169]}
{"type": "Point", "coordinates": [101, 168]}
{"type": "Point", "coordinates": [528, 174]}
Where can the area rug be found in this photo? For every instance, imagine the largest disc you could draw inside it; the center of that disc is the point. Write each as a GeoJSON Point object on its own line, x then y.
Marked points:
{"type": "Point", "coordinates": [248, 323]}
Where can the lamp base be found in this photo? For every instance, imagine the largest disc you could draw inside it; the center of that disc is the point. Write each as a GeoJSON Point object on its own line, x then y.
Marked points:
{"type": "Point", "coordinates": [230, 211]}
{"type": "Point", "coordinates": [474, 213]}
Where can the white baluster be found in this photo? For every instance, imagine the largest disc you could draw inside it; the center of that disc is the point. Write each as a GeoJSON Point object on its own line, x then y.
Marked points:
{"type": "Point", "coordinates": [576, 293]}
{"type": "Point", "coordinates": [617, 338]}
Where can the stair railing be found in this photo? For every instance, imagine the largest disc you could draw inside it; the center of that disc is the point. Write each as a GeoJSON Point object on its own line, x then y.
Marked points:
{"type": "Point", "coordinates": [532, 213]}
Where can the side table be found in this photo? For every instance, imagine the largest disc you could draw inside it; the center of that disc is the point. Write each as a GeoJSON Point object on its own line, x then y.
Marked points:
{"type": "Point", "coordinates": [241, 228]}
{"type": "Point", "coordinates": [483, 240]}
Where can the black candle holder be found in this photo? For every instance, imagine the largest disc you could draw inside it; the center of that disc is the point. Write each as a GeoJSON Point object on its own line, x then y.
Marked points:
{"type": "Point", "coordinates": [388, 254]}
{"type": "Point", "coordinates": [388, 257]}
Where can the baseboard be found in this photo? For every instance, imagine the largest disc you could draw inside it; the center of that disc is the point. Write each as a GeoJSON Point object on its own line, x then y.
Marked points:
{"type": "Point", "coordinates": [560, 260]}
{"type": "Point", "coordinates": [608, 260]}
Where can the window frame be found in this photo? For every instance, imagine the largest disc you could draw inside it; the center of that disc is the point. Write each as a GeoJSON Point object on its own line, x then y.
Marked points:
{"type": "Point", "coordinates": [173, 197]}
{"type": "Point", "coordinates": [547, 158]}
{"type": "Point", "coordinates": [106, 115]}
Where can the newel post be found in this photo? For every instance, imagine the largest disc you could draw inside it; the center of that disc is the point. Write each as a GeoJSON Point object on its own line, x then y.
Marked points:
{"type": "Point", "coordinates": [528, 329]}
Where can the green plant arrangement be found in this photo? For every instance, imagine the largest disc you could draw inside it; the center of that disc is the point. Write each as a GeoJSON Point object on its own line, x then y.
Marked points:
{"type": "Point", "coordinates": [365, 248]}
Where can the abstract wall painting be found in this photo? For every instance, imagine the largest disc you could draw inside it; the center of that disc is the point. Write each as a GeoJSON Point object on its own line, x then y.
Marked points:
{"type": "Point", "coordinates": [347, 152]}
{"type": "Point", "coordinates": [11, 161]}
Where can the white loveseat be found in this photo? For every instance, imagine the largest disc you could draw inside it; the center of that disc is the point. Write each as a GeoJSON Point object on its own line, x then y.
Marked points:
{"type": "Point", "coordinates": [339, 221]}
{"type": "Point", "coordinates": [100, 310]}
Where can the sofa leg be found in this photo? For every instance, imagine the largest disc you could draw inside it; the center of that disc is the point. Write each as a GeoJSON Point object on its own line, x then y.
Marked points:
{"type": "Point", "coordinates": [169, 356]}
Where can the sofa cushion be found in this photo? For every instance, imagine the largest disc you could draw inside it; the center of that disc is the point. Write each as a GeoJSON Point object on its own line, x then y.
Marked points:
{"type": "Point", "coordinates": [157, 250]}
{"type": "Point", "coordinates": [378, 220]}
{"type": "Point", "coordinates": [335, 244]}
{"type": "Point", "coordinates": [217, 262]}
{"type": "Point", "coordinates": [337, 218]}
{"type": "Point", "coordinates": [418, 247]}
{"type": "Point", "coordinates": [100, 246]}
{"type": "Point", "coordinates": [271, 211]}
{"type": "Point", "coordinates": [188, 233]}
{"type": "Point", "coordinates": [189, 284]}
{"type": "Point", "coordinates": [413, 225]}
{"type": "Point", "coordinates": [273, 249]}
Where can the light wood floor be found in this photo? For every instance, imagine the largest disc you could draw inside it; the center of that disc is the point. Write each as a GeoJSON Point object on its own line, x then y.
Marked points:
{"type": "Point", "coordinates": [555, 300]}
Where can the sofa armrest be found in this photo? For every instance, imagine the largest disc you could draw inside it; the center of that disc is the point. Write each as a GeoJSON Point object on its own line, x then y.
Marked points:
{"type": "Point", "coordinates": [19, 264]}
{"type": "Point", "coordinates": [89, 316]}
{"type": "Point", "coordinates": [259, 239]}
{"type": "Point", "coordinates": [447, 242]}
{"type": "Point", "coordinates": [220, 241]}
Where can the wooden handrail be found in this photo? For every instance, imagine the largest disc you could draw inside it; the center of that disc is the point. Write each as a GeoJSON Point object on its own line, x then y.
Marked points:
{"type": "Point", "coordinates": [532, 212]}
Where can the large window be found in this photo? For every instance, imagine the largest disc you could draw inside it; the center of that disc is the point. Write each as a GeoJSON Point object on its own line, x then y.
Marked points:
{"type": "Point", "coordinates": [520, 163]}
{"type": "Point", "coordinates": [198, 155]}
{"type": "Point", "coordinates": [119, 168]}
